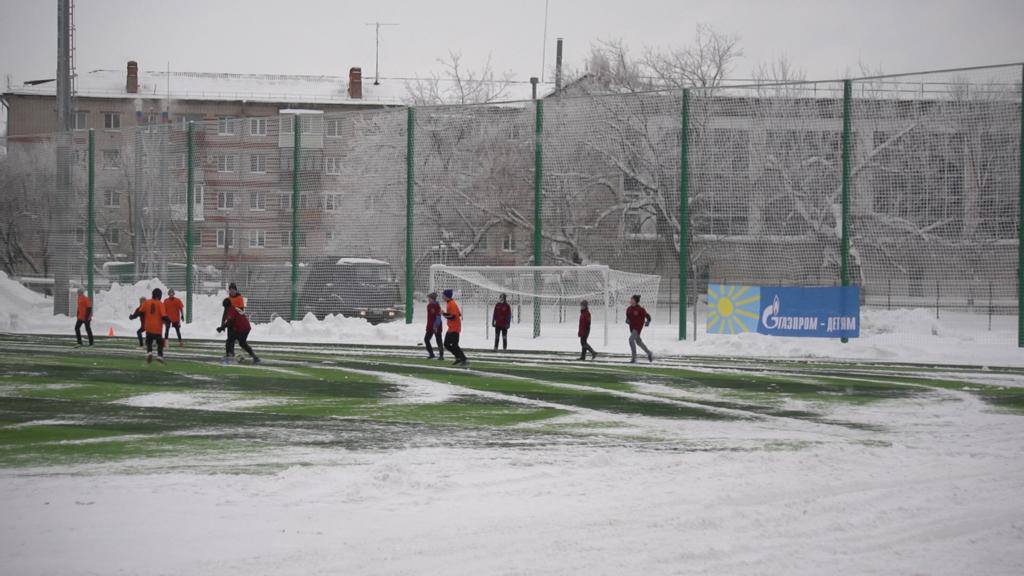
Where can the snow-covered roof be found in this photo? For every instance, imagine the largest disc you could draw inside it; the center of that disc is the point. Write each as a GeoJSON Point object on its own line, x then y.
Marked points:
{"type": "Point", "coordinates": [236, 87]}
{"type": "Point", "coordinates": [351, 261]}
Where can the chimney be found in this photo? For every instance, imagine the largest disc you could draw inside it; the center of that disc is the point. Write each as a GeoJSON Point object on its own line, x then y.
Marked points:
{"type": "Point", "coordinates": [558, 66]}
{"type": "Point", "coordinates": [132, 86]}
{"type": "Point", "coordinates": [355, 83]}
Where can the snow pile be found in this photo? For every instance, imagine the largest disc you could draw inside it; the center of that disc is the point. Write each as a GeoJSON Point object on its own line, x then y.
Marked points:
{"type": "Point", "coordinates": [904, 335]}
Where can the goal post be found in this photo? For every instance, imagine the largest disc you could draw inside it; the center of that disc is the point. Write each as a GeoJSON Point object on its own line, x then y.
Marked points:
{"type": "Point", "coordinates": [550, 293]}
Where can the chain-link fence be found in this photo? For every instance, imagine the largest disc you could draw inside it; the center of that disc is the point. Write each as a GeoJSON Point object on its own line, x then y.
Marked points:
{"type": "Point", "coordinates": [907, 186]}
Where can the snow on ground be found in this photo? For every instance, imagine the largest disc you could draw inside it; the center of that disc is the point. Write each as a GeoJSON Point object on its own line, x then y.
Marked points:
{"type": "Point", "coordinates": [937, 492]}
{"type": "Point", "coordinates": [216, 401]}
{"type": "Point", "coordinates": [905, 335]}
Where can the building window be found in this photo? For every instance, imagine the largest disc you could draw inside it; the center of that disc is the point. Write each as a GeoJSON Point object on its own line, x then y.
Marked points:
{"type": "Point", "coordinates": [112, 159]}
{"type": "Point", "coordinates": [152, 121]}
{"type": "Point", "coordinates": [112, 198]}
{"type": "Point", "coordinates": [258, 163]}
{"type": "Point", "coordinates": [81, 120]}
{"type": "Point", "coordinates": [257, 200]}
{"type": "Point", "coordinates": [80, 235]}
{"type": "Point", "coordinates": [227, 126]}
{"type": "Point", "coordinates": [309, 123]}
{"type": "Point", "coordinates": [181, 121]}
{"type": "Point", "coordinates": [225, 200]}
{"type": "Point", "coordinates": [111, 121]}
{"type": "Point", "coordinates": [330, 236]}
{"type": "Point", "coordinates": [258, 126]}
{"type": "Point", "coordinates": [225, 238]}
{"type": "Point", "coordinates": [333, 164]}
{"type": "Point", "coordinates": [114, 235]}
{"type": "Point", "coordinates": [227, 163]}
{"type": "Point", "coordinates": [257, 239]}
{"type": "Point", "coordinates": [286, 239]}
{"type": "Point", "coordinates": [333, 128]}
{"type": "Point", "coordinates": [182, 164]}
{"type": "Point", "coordinates": [508, 243]}
{"type": "Point", "coordinates": [332, 202]}
{"type": "Point", "coordinates": [284, 202]}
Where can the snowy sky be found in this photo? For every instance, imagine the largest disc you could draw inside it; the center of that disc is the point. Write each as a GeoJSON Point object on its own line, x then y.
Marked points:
{"type": "Point", "coordinates": [827, 38]}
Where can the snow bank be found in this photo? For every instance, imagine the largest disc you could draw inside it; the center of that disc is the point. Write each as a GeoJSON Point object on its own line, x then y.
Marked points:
{"type": "Point", "coordinates": [903, 335]}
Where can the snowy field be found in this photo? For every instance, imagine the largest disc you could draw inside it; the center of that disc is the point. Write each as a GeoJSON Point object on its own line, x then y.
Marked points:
{"type": "Point", "coordinates": [731, 455]}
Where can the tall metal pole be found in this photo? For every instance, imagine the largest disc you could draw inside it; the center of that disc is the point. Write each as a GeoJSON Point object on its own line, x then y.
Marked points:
{"type": "Point", "coordinates": [92, 214]}
{"type": "Point", "coordinates": [538, 177]}
{"type": "Point", "coordinates": [63, 195]}
{"type": "Point", "coordinates": [684, 211]}
{"type": "Point", "coordinates": [844, 270]}
{"type": "Point", "coordinates": [410, 131]}
{"type": "Point", "coordinates": [296, 165]}
{"type": "Point", "coordinates": [189, 216]}
{"type": "Point", "coordinates": [1020, 220]}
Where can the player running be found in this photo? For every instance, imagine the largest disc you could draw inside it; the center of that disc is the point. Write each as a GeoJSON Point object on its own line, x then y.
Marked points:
{"type": "Point", "coordinates": [236, 301]}
{"type": "Point", "coordinates": [142, 321]}
{"type": "Point", "coordinates": [83, 317]}
{"type": "Point", "coordinates": [637, 318]}
{"type": "Point", "coordinates": [238, 327]}
{"type": "Point", "coordinates": [501, 320]}
{"type": "Point", "coordinates": [433, 327]}
{"type": "Point", "coordinates": [454, 317]}
{"type": "Point", "coordinates": [173, 306]}
{"type": "Point", "coordinates": [584, 331]}
{"type": "Point", "coordinates": [153, 318]}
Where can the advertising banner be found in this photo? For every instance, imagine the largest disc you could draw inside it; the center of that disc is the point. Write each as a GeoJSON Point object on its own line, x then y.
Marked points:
{"type": "Point", "coordinates": [819, 312]}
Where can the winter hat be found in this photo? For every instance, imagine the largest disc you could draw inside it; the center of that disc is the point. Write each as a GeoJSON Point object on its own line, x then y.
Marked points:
{"type": "Point", "coordinates": [157, 293]}
{"type": "Point", "coordinates": [448, 293]}
{"type": "Point", "coordinates": [233, 287]}
{"type": "Point", "coordinates": [170, 291]}
{"type": "Point", "coordinates": [432, 296]}
{"type": "Point", "coordinates": [584, 303]}
{"type": "Point", "coordinates": [637, 298]}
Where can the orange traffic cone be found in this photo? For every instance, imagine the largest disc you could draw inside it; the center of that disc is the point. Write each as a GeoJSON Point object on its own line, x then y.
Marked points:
{"type": "Point", "coordinates": [110, 333]}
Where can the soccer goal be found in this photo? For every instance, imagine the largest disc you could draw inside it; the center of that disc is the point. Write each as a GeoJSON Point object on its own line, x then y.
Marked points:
{"type": "Point", "coordinates": [547, 295]}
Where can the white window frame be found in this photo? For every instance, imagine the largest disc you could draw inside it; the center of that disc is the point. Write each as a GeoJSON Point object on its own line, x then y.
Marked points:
{"type": "Point", "coordinates": [227, 163]}
{"type": "Point", "coordinates": [225, 238]}
{"type": "Point", "coordinates": [225, 200]}
{"type": "Point", "coordinates": [332, 165]}
{"type": "Point", "coordinates": [257, 200]}
{"type": "Point", "coordinates": [112, 159]}
{"type": "Point", "coordinates": [82, 115]}
{"type": "Point", "coordinates": [508, 242]}
{"type": "Point", "coordinates": [257, 239]}
{"type": "Point", "coordinates": [79, 235]}
{"type": "Point", "coordinates": [109, 195]}
{"type": "Point", "coordinates": [114, 235]}
{"type": "Point", "coordinates": [257, 126]}
{"type": "Point", "coordinates": [286, 239]}
{"type": "Point", "coordinates": [332, 202]}
{"type": "Point", "coordinates": [227, 126]}
{"type": "Point", "coordinates": [258, 163]}
{"type": "Point", "coordinates": [333, 127]}
{"type": "Point", "coordinates": [112, 121]}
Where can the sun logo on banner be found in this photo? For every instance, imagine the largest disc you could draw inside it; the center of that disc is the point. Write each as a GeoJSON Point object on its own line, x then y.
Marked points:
{"type": "Point", "coordinates": [733, 309]}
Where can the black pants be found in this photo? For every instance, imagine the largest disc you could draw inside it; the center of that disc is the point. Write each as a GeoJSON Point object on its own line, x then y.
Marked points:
{"type": "Point", "coordinates": [159, 339]}
{"type": "Point", "coordinates": [451, 343]}
{"type": "Point", "coordinates": [139, 333]}
{"type": "Point", "coordinates": [88, 330]}
{"type": "Point", "coordinates": [167, 329]}
{"type": "Point", "coordinates": [434, 335]}
{"type": "Point", "coordinates": [242, 338]}
{"type": "Point", "coordinates": [586, 347]}
{"type": "Point", "coordinates": [503, 334]}
{"type": "Point", "coordinates": [229, 346]}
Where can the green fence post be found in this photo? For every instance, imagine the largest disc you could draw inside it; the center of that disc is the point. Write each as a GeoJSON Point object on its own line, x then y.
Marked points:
{"type": "Point", "coordinates": [1020, 221]}
{"type": "Point", "coordinates": [91, 217]}
{"type": "Point", "coordinates": [538, 178]}
{"type": "Point", "coordinates": [844, 250]}
{"type": "Point", "coordinates": [409, 189]}
{"type": "Point", "coordinates": [296, 165]}
{"type": "Point", "coordinates": [684, 212]}
{"type": "Point", "coordinates": [189, 217]}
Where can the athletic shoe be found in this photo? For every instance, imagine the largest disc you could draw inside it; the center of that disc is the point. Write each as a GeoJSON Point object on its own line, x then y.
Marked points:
{"type": "Point", "coordinates": [149, 358]}
{"type": "Point", "coordinates": [181, 344]}
{"type": "Point", "coordinates": [256, 360]}
{"type": "Point", "coordinates": [225, 360]}
{"type": "Point", "coordinates": [633, 361]}
{"type": "Point", "coordinates": [431, 357]}
{"type": "Point", "coordinates": [650, 357]}
{"type": "Point", "coordinates": [160, 359]}
{"type": "Point", "coordinates": [584, 357]}
{"type": "Point", "coordinates": [593, 355]}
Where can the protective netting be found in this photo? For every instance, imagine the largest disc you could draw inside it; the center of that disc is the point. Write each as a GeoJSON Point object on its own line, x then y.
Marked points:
{"type": "Point", "coordinates": [556, 291]}
{"type": "Point", "coordinates": [934, 181]}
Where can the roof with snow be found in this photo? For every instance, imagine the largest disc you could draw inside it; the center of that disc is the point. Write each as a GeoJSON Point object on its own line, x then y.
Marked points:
{"type": "Point", "coordinates": [237, 87]}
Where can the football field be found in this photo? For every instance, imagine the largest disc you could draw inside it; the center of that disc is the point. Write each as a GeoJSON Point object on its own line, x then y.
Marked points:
{"type": "Point", "coordinates": [330, 458]}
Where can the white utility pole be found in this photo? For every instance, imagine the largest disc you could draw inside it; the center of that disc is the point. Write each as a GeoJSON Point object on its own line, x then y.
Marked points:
{"type": "Point", "coordinates": [376, 67]}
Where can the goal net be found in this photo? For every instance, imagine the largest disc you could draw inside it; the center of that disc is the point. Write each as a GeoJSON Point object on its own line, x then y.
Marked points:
{"type": "Point", "coordinates": [547, 295]}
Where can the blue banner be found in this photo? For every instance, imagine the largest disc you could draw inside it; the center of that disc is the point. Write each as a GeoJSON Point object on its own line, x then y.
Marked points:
{"type": "Point", "coordinates": [832, 312]}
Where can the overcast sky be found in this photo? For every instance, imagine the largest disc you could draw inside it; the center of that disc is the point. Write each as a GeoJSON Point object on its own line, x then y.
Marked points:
{"type": "Point", "coordinates": [826, 38]}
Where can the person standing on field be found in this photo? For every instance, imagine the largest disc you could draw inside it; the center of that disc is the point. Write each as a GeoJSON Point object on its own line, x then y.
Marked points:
{"type": "Point", "coordinates": [637, 318]}
{"type": "Point", "coordinates": [584, 331]}
{"type": "Point", "coordinates": [238, 327]}
{"type": "Point", "coordinates": [236, 301]}
{"type": "Point", "coordinates": [142, 321]}
{"type": "Point", "coordinates": [434, 327]}
{"type": "Point", "coordinates": [454, 317]}
{"type": "Point", "coordinates": [501, 320]}
{"type": "Point", "coordinates": [173, 306]}
{"type": "Point", "coordinates": [83, 317]}
{"type": "Point", "coordinates": [153, 318]}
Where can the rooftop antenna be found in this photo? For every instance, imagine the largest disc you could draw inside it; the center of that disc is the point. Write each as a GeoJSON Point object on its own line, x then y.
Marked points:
{"type": "Point", "coordinates": [376, 68]}
{"type": "Point", "coordinates": [544, 43]}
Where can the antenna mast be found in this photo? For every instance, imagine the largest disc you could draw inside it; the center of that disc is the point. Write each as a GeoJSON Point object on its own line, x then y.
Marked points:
{"type": "Point", "coordinates": [376, 67]}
